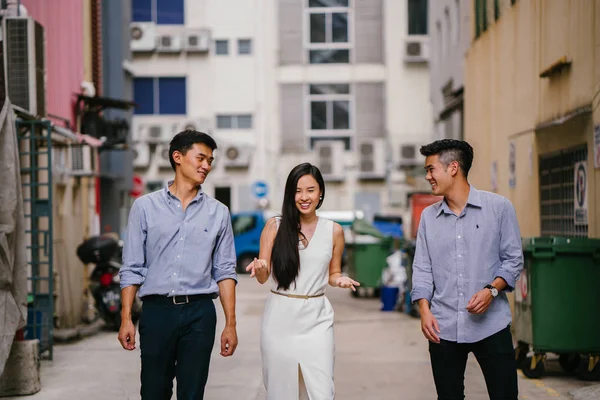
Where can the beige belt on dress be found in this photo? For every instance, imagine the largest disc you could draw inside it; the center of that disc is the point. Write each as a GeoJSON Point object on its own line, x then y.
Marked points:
{"type": "Point", "coordinates": [298, 296]}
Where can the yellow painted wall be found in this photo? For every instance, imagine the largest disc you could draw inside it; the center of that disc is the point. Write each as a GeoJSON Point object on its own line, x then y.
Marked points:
{"type": "Point", "coordinates": [505, 99]}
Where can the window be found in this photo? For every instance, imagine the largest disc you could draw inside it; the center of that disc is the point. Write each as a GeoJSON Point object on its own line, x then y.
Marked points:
{"type": "Point", "coordinates": [417, 17]}
{"type": "Point", "coordinates": [222, 47]}
{"type": "Point", "coordinates": [480, 17]}
{"type": "Point", "coordinates": [165, 96]}
{"type": "Point", "coordinates": [496, 9]}
{"type": "Point", "coordinates": [329, 109]}
{"type": "Point", "coordinates": [242, 224]}
{"type": "Point", "coordinates": [241, 121]}
{"type": "Point", "coordinates": [328, 31]}
{"type": "Point", "coordinates": [244, 46]}
{"type": "Point", "coordinates": [164, 12]}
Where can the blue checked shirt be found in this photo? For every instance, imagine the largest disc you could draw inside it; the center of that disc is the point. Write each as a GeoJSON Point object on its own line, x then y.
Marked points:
{"type": "Point", "coordinates": [173, 252]}
{"type": "Point", "coordinates": [457, 256]}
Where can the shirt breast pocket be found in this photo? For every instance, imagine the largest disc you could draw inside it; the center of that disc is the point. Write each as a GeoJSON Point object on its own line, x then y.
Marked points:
{"type": "Point", "coordinates": [201, 240]}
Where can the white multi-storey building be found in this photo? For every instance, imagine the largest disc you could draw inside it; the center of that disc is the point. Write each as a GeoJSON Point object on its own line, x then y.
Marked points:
{"type": "Point", "coordinates": [340, 83]}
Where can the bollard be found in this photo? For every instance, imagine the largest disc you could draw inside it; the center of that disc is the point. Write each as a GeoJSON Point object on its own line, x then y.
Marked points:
{"type": "Point", "coordinates": [22, 371]}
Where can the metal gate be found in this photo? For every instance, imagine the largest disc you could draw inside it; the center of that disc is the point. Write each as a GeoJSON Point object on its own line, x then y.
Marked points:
{"type": "Point", "coordinates": [35, 154]}
{"type": "Point", "coordinates": [557, 191]}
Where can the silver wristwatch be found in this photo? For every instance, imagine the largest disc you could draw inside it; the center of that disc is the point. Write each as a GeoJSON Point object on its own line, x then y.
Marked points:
{"type": "Point", "coordinates": [493, 290]}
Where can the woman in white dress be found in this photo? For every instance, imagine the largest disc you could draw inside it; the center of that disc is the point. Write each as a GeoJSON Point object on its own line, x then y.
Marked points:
{"type": "Point", "coordinates": [301, 253]}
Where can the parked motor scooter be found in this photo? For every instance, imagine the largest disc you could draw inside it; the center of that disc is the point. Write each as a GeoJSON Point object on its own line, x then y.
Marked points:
{"type": "Point", "coordinates": [106, 252]}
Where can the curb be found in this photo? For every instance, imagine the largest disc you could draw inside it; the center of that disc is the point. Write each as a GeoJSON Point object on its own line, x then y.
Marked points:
{"type": "Point", "coordinates": [586, 393]}
{"type": "Point", "coordinates": [82, 331]}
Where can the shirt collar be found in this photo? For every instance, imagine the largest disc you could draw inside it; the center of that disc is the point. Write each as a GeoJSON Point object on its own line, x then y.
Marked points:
{"type": "Point", "coordinates": [473, 200]}
{"type": "Point", "coordinates": [170, 195]}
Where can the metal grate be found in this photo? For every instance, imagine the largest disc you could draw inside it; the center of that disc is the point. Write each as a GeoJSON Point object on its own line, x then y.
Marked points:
{"type": "Point", "coordinates": [35, 155]}
{"type": "Point", "coordinates": [17, 56]}
{"type": "Point", "coordinates": [557, 193]}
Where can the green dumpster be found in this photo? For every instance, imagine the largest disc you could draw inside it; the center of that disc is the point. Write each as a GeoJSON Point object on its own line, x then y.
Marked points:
{"type": "Point", "coordinates": [557, 305]}
{"type": "Point", "coordinates": [367, 253]}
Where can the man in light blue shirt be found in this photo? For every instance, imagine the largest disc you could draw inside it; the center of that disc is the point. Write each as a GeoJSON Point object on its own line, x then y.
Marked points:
{"type": "Point", "coordinates": [179, 253]}
{"type": "Point", "coordinates": [468, 256]}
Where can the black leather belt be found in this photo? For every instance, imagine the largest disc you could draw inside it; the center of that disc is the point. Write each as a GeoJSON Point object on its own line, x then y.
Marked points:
{"type": "Point", "coordinates": [177, 300]}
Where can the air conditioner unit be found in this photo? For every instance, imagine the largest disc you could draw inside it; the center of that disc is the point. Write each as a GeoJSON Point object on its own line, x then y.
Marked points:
{"type": "Point", "coordinates": [197, 41]}
{"type": "Point", "coordinates": [409, 156]}
{"type": "Point", "coordinates": [330, 159]}
{"type": "Point", "coordinates": [168, 43]}
{"type": "Point", "coordinates": [61, 165]}
{"type": "Point", "coordinates": [416, 49]}
{"type": "Point", "coordinates": [235, 156]}
{"type": "Point", "coordinates": [81, 160]}
{"type": "Point", "coordinates": [161, 156]}
{"type": "Point", "coordinates": [155, 133]}
{"type": "Point", "coordinates": [25, 67]}
{"type": "Point", "coordinates": [196, 124]}
{"type": "Point", "coordinates": [141, 155]}
{"type": "Point", "coordinates": [371, 153]}
{"type": "Point", "coordinates": [142, 36]}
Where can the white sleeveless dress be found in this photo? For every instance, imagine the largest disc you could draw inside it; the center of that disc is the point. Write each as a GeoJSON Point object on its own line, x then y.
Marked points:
{"type": "Point", "coordinates": [297, 334]}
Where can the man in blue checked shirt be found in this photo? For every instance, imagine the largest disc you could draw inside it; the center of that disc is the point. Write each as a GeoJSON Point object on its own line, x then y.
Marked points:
{"type": "Point", "coordinates": [468, 256]}
{"type": "Point", "coordinates": [179, 254]}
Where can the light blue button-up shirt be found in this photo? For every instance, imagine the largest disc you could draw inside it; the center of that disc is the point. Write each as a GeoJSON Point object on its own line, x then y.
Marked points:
{"type": "Point", "coordinates": [173, 252]}
{"type": "Point", "coordinates": [457, 256]}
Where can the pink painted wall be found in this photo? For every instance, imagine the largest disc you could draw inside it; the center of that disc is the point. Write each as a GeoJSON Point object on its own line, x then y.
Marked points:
{"type": "Point", "coordinates": [63, 26]}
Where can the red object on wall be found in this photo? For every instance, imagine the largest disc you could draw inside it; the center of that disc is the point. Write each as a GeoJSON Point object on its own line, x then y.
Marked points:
{"type": "Point", "coordinates": [418, 202]}
{"type": "Point", "coordinates": [138, 187]}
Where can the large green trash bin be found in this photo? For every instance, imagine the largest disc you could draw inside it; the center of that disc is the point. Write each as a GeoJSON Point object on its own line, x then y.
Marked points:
{"type": "Point", "coordinates": [367, 254]}
{"type": "Point", "coordinates": [557, 301]}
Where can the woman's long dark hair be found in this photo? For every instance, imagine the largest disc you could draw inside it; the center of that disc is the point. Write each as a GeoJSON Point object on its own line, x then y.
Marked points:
{"type": "Point", "coordinates": [285, 257]}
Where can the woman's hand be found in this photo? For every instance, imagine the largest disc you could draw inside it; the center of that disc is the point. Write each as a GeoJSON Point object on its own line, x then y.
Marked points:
{"type": "Point", "coordinates": [257, 267]}
{"type": "Point", "coordinates": [346, 283]}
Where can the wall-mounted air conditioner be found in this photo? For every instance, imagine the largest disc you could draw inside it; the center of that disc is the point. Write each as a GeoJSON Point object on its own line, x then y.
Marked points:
{"type": "Point", "coordinates": [25, 67]}
{"type": "Point", "coordinates": [409, 156]}
{"type": "Point", "coordinates": [155, 133]}
{"type": "Point", "coordinates": [161, 156]}
{"type": "Point", "coordinates": [371, 158]}
{"type": "Point", "coordinates": [142, 36]}
{"type": "Point", "coordinates": [235, 156]}
{"type": "Point", "coordinates": [330, 159]}
{"type": "Point", "coordinates": [416, 49]}
{"type": "Point", "coordinates": [197, 41]}
{"type": "Point", "coordinates": [141, 155]}
{"type": "Point", "coordinates": [196, 124]}
{"type": "Point", "coordinates": [168, 43]}
{"type": "Point", "coordinates": [81, 160]}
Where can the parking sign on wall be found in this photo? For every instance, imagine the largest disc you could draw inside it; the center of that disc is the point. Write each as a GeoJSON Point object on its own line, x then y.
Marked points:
{"type": "Point", "coordinates": [581, 204]}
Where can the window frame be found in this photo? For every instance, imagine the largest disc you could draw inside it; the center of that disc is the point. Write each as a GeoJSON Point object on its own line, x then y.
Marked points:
{"type": "Point", "coordinates": [154, 13]}
{"type": "Point", "coordinates": [328, 45]}
{"type": "Point", "coordinates": [226, 41]}
{"type": "Point", "coordinates": [250, 49]}
{"type": "Point", "coordinates": [330, 132]}
{"type": "Point", "coordinates": [234, 119]}
{"type": "Point", "coordinates": [156, 108]}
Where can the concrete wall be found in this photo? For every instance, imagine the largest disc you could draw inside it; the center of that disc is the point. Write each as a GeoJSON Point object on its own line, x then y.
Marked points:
{"type": "Point", "coordinates": [506, 99]}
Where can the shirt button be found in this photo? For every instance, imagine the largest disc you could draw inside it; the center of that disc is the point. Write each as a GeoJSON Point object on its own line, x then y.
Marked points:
{"type": "Point", "coordinates": [173, 291]}
{"type": "Point", "coordinates": [178, 256]}
{"type": "Point", "coordinates": [460, 275]}
{"type": "Point", "coordinates": [180, 238]}
{"type": "Point", "coordinates": [174, 273]}
{"type": "Point", "coordinates": [459, 236]}
{"type": "Point", "coordinates": [178, 205]}
{"type": "Point", "coordinates": [459, 256]}
{"type": "Point", "coordinates": [461, 294]}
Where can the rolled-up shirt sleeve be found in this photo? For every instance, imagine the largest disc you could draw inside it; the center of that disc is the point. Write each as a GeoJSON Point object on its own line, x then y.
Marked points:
{"type": "Point", "coordinates": [422, 276]}
{"type": "Point", "coordinates": [511, 251]}
{"type": "Point", "coordinates": [224, 259]}
{"type": "Point", "coordinates": [134, 269]}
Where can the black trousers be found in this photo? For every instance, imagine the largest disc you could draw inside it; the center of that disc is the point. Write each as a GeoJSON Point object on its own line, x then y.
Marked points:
{"type": "Point", "coordinates": [176, 341]}
{"type": "Point", "coordinates": [496, 357]}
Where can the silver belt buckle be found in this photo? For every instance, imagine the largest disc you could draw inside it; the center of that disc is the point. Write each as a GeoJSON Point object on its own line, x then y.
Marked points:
{"type": "Point", "coordinates": [187, 300]}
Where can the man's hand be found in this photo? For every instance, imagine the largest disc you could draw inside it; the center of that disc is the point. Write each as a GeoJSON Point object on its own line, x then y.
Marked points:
{"type": "Point", "coordinates": [480, 302]}
{"type": "Point", "coordinates": [127, 334]}
{"type": "Point", "coordinates": [229, 341]}
{"type": "Point", "coordinates": [429, 326]}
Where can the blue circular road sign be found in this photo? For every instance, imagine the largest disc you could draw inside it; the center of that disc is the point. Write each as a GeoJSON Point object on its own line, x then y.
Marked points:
{"type": "Point", "coordinates": [260, 189]}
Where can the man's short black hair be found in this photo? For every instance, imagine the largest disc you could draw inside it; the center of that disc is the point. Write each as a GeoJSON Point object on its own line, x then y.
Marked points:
{"type": "Point", "coordinates": [449, 150]}
{"type": "Point", "coordinates": [184, 141]}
